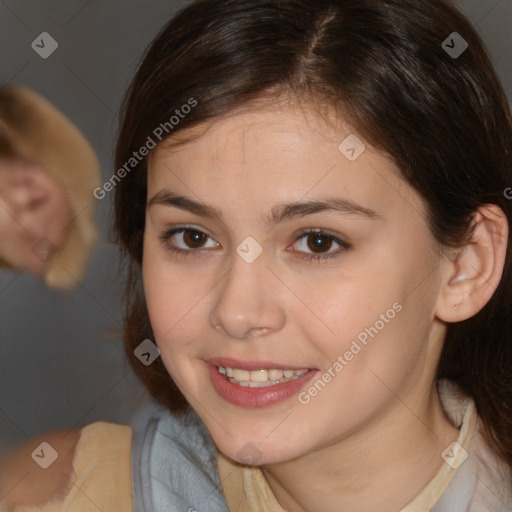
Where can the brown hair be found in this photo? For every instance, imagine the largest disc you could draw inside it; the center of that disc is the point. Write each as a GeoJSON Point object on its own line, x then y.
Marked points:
{"type": "Point", "coordinates": [445, 121]}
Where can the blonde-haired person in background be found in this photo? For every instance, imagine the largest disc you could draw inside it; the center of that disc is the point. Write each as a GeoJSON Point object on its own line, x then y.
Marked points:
{"type": "Point", "coordinates": [48, 172]}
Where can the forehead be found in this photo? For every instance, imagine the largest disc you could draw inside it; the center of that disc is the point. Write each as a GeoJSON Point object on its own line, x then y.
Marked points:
{"type": "Point", "coordinates": [276, 154]}
{"type": "Point", "coordinates": [282, 120]}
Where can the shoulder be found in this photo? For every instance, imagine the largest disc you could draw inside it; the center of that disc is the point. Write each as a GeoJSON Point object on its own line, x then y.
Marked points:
{"type": "Point", "coordinates": [44, 469]}
{"type": "Point", "coordinates": [38, 471]}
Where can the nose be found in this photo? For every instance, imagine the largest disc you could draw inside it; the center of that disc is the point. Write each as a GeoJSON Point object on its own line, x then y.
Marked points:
{"type": "Point", "coordinates": [247, 304]}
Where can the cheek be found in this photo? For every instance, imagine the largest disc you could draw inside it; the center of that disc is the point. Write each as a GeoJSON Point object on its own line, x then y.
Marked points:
{"type": "Point", "coordinates": [371, 319]}
{"type": "Point", "coordinates": [167, 303]}
{"type": "Point", "coordinates": [174, 298]}
{"type": "Point", "coordinates": [375, 348]}
{"type": "Point", "coordinates": [340, 307]}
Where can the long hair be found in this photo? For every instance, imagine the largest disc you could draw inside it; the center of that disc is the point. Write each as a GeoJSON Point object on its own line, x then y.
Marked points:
{"type": "Point", "coordinates": [380, 64]}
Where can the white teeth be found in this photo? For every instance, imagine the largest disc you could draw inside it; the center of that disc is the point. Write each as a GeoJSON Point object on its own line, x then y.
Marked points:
{"type": "Point", "coordinates": [256, 384]}
{"type": "Point", "coordinates": [241, 375]}
{"type": "Point", "coordinates": [275, 374]}
{"type": "Point", "coordinates": [259, 378]}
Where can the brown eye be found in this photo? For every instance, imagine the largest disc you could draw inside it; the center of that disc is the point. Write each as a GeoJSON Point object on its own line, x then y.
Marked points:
{"type": "Point", "coordinates": [319, 245]}
{"type": "Point", "coordinates": [194, 239]}
{"type": "Point", "coordinates": [187, 240]}
{"type": "Point", "coordinates": [319, 242]}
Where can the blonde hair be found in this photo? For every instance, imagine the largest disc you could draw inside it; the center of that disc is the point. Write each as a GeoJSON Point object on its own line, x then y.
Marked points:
{"type": "Point", "coordinates": [33, 130]}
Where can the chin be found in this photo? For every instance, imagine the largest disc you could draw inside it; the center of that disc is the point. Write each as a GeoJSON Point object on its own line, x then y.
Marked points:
{"type": "Point", "coordinates": [250, 451]}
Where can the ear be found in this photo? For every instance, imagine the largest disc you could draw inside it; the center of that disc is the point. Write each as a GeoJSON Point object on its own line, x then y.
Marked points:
{"type": "Point", "coordinates": [473, 274]}
{"type": "Point", "coordinates": [33, 213]}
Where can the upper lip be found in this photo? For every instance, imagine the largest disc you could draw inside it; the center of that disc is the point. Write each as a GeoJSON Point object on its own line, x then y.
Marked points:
{"type": "Point", "coordinates": [227, 362]}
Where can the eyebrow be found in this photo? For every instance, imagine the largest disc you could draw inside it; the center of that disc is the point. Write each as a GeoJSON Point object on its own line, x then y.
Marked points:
{"type": "Point", "coordinates": [278, 214]}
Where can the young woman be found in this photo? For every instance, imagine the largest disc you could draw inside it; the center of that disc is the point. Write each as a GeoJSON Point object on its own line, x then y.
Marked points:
{"type": "Point", "coordinates": [314, 203]}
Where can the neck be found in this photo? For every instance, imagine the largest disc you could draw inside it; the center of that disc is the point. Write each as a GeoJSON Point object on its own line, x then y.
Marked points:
{"type": "Point", "coordinates": [381, 467]}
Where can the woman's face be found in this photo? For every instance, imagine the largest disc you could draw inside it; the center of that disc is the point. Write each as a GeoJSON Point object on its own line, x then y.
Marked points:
{"type": "Point", "coordinates": [273, 254]}
{"type": "Point", "coordinates": [34, 215]}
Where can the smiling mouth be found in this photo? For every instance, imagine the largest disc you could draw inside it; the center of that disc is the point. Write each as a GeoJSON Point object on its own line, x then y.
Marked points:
{"type": "Point", "coordinates": [259, 378]}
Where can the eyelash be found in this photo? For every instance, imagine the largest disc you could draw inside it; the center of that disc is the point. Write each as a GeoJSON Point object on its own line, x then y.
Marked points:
{"type": "Point", "coordinates": [310, 257]}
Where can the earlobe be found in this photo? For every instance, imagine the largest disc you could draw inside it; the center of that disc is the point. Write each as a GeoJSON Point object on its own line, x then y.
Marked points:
{"type": "Point", "coordinates": [475, 272]}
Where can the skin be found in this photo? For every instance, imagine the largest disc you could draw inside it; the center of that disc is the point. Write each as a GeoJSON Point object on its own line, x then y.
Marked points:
{"type": "Point", "coordinates": [373, 437]}
{"type": "Point", "coordinates": [25, 483]}
{"type": "Point", "coordinates": [33, 206]}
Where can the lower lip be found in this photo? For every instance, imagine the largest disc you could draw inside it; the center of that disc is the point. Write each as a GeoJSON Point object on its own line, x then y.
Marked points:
{"type": "Point", "coordinates": [256, 397]}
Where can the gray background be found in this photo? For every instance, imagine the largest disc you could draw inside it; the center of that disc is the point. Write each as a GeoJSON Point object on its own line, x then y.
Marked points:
{"type": "Point", "coordinates": [62, 363]}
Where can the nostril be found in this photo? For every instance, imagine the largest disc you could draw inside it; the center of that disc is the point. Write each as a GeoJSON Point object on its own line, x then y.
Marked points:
{"type": "Point", "coordinates": [257, 331]}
